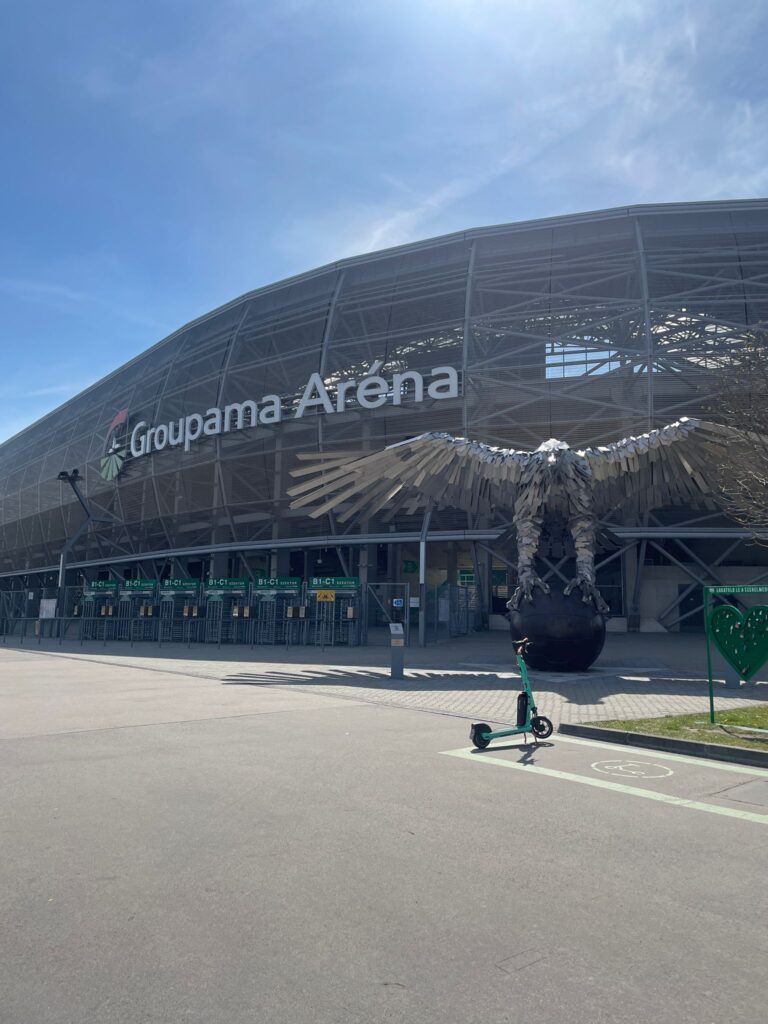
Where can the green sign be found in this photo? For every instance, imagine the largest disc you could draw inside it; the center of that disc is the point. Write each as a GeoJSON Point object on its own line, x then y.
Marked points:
{"type": "Point", "coordinates": [410, 566]}
{"type": "Point", "coordinates": [97, 587]}
{"type": "Point", "coordinates": [226, 585]}
{"type": "Point", "coordinates": [741, 639]}
{"type": "Point", "coordinates": [102, 585]}
{"type": "Point", "coordinates": [278, 583]}
{"type": "Point", "coordinates": [187, 587]}
{"type": "Point", "coordinates": [143, 587]}
{"type": "Point", "coordinates": [747, 588]}
{"type": "Point", "coordinates": [335, 582]}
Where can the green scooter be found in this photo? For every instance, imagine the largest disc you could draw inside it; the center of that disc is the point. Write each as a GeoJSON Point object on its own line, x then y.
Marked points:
{"type": "Point", "coordinates": [528, 718]}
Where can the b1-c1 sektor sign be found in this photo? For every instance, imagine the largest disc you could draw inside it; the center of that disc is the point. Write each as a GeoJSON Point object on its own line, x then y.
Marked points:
{"type": "Point", "coordinates": [370, 392]}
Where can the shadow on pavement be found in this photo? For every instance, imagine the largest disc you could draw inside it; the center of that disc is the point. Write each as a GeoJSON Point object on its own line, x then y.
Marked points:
{"type": "Point", "coordinates": [578, 690]}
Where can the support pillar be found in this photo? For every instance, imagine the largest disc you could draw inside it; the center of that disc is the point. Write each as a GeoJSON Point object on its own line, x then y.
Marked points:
{"type": "Point", "coordinates": [452, 569]}
{"type": "Point", "coordinates": [280, 562]}
{"type": "Point", "coordinates": [423, 576]}
{"type": "Point", "coordinates": [632, 564]}
{"type": "Point", "coordinates": [218, 564]}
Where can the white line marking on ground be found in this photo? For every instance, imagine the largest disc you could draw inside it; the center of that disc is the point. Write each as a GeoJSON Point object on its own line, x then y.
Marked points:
{"type": "Point", "coordinates": [723, 766]}
{"type": "Point", "coordinates": [632, 769]}
{"type": "Point", "coordinates": [617, 787]}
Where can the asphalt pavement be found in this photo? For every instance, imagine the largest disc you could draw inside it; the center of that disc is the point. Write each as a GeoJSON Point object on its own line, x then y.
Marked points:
{"type": "Point", "coordinates": [178, 848]}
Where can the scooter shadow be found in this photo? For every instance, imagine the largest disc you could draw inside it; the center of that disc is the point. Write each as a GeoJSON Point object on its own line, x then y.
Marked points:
{"type": "Point", "coordinates": [527, 749]}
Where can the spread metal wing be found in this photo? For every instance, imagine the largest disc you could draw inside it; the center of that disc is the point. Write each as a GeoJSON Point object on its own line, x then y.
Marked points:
{"type": "Point", "coordinates": [449, 470]}
{"type": "Point", "coordinates": [670, 466]}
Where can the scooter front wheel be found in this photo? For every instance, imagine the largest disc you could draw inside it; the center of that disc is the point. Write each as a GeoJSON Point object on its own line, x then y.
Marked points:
{"type": "Point", "coordinates": [541, 727]}
{"type": "Point", "coordinates": [477, 737]}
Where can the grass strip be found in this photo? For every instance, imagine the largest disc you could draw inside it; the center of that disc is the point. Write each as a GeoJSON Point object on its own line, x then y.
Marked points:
{"type": "Point", "coordinates": [696, 727]}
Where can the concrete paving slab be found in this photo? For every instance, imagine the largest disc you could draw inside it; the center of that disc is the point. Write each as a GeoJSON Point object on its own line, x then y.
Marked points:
{"type": "Point", "coordinates": [688, 783]}
{"type": "Point", "coordinates": [323, 862]}
{"type": "Point", "coordinates": [440, 686]}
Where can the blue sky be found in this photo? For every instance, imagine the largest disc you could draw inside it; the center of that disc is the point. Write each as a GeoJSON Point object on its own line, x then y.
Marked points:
{"type": "Point", "coordinates": [159, 159]}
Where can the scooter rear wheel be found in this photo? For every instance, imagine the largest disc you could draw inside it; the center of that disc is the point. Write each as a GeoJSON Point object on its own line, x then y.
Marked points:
{"type": "Point", "coordinates": [541, 727]}
{"type": "Point", "coordinates": [476, 735]}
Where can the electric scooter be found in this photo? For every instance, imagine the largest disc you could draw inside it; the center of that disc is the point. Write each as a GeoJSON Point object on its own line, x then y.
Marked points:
{"type": "Point", "coordinates": [528, 718]}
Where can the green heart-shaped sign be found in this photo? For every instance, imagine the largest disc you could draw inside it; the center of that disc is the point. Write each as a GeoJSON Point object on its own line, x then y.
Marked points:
{"type": "Point", "coordinates": [741, 639]}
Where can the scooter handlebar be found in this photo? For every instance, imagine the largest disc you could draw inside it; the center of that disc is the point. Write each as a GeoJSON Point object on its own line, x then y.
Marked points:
{"type": "Point", "coordinates": [521, 646]}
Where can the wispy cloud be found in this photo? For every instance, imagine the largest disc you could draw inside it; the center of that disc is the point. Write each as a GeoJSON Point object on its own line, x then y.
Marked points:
{"type": "Point", "coordinates": [36, 291]}
{"type": "Point", "coordinates": [55, 389]}
{"type": "Point", "coordinates": [574, 114]}
{"type": "Point", "coordinates": [66, 299]}
{"type": "Point", "coordinates": [229, 145]}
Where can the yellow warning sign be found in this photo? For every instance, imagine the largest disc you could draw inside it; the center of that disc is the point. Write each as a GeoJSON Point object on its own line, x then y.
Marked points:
{"type": "Point", "coordinates": [326, 595]}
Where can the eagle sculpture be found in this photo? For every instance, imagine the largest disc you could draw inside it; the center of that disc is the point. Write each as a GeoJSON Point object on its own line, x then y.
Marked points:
{"type": "Point", "coordinates": [672, 465]}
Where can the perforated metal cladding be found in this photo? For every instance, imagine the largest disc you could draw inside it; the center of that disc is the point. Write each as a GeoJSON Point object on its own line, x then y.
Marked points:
{"type": "Point", "coordinates": [586, 328]}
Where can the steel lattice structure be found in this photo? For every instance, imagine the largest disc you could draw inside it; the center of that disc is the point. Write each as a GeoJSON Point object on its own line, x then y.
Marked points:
{"type": "Point", "coordinates": [587, 328]}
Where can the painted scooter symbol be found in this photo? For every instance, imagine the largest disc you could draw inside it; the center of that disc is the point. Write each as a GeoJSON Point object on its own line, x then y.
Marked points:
{"type": "Point", "coordinates": [626, 769]}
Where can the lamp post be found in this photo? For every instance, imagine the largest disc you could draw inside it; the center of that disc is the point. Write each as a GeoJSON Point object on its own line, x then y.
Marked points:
{"type": "Point", "coordinates": [73, 479]}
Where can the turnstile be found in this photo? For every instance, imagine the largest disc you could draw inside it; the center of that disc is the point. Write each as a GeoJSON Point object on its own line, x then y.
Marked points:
{"type": "Point", "coordinates": [179, 613]}
{"type": "Point", "coordinates": [227, 611]}
{"type": "Point", "coordinates": [99, 610]}
{"type": "Point", "coordinates": [333, 608]}
{"type": "Point", "coordinates": [274, 600]}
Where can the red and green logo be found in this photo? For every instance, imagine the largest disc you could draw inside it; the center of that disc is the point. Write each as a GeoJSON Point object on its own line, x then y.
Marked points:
{"type": "Point", "coordinates": [115, 449]}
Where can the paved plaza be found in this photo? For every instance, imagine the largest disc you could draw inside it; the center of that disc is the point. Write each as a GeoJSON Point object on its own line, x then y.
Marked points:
{"type": "Point", "coordinates": [636, 676]}
{"type": "Point", "coordinates": [203, 837]}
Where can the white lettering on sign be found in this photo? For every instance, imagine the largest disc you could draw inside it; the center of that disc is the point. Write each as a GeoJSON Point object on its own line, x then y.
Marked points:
{"type": "Point", "coordinates": [369, 392]}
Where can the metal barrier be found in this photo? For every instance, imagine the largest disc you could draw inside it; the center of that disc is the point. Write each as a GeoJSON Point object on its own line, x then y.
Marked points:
{"type": "Point", "coordinates": [382, 605]}
{"type": "Point", "coordinates": [452, 611]}
{"type": "Point", "coordinates": [323, 612]}
{"type": "Point", "coordinates": [333, 610]}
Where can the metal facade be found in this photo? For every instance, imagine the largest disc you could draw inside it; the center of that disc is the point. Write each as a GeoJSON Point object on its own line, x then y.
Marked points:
{"type": "Point", "coordinates": [586, 328]}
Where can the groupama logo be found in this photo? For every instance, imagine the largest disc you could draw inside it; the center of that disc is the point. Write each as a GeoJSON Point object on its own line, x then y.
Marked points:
{"type": "Point", "coordinates": [115, 450]}
{"type": "Point", "coordinates": [369, 391]}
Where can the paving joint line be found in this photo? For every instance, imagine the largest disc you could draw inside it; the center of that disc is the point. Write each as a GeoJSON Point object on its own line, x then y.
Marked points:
{"type": "Point", "coordinates": [152, 725]}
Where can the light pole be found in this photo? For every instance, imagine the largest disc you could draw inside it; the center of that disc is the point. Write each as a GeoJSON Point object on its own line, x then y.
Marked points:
{"type": "Point", "coordinates": [73, 479]}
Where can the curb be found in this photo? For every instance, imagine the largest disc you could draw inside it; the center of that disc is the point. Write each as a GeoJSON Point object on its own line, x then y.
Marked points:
{"type": "Point", "coordinates": [714, 751]}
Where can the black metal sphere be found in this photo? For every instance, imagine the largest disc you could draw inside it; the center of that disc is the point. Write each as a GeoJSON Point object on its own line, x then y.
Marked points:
{"type": "Point", "coordinates": [566, 633]}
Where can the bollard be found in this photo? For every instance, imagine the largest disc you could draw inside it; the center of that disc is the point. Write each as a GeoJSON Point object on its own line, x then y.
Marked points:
{"type": "Point", "coordinates": [397, 649]}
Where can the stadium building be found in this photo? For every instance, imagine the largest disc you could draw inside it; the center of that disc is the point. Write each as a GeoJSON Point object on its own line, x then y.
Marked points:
{"type": "Point", "coordinates": [587, 328]}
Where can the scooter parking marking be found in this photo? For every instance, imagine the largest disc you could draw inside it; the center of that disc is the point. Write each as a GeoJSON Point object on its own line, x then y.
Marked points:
{"type": "Point", "coordinates": [624, 769]}
{"type": "Point", "coordinates": [469, 754]}
{"type": "Point", "coordinates": [684, 759]}
{"type": "Point", "coordinates": [660, 755]}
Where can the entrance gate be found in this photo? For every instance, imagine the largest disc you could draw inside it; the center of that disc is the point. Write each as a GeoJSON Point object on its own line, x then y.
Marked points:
{"type": "Point", "coordinates": [99, 610]}
{"type": "Point", "coordinates": [333, 607]}
{"type": "Point", "coordinates": [451, 611]}
{"type": "Point", "coordinates": [179, 611]}
{"type": "Point", "coordinates": [272, 597]}
{"type": "Point", "coordinates": [136, 610]}
{"type": "Point", "coordinates": [226, 602]}
{"type": "Point", "coordinates": [384, 603]}
{"type": "Point", "coordinates": [13, 609]}
{"type": "Point", "coordinates": [325, 611]}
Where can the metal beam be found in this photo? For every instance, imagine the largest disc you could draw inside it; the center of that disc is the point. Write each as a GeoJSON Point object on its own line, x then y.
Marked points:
{"type": "Point", "coordinates": [465, 339]}
{"type": "Point", "coordinates": [676, 533]}
{"type": "Point", "coordinates": [698, 608]}
{"type": "Point", "coordinates": [681, 597]}
{"type": "Point", "coordinates": [646, 320]}
{"type": "Point", "coordinates": [298, 544]}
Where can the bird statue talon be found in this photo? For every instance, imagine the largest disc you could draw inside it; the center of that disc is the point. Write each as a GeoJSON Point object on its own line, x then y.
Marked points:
{"type": "Point", "coordinates": [525, 589]}
{"type": "Point", "coordinates": [589, 593]}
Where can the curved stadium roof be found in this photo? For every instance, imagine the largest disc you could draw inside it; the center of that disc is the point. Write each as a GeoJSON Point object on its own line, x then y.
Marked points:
{"type": "Point", "coordinates": [553, 325]}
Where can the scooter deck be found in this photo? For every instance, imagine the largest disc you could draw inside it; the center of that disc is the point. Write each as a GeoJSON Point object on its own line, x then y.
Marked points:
{"type": "Point", "coordinates": [507, 732]}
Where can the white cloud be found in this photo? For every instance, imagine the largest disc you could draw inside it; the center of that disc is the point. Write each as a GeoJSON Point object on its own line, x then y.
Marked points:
{"type": "Point", "coordinates": [613, 102]}
{"type": "Point", "coordinates": [36, 291]}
